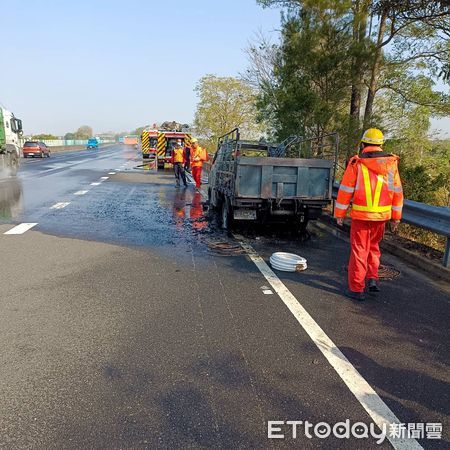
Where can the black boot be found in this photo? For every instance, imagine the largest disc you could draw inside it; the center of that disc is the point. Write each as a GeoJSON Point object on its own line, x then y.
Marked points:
{"type": "Point", "coordinates": [373, 286]}
{"type": "Point", "coordinates": [355, 295]}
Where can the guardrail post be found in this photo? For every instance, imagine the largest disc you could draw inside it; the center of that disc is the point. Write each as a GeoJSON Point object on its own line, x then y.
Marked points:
{"type": "Point", "coordinates": [446, 261]}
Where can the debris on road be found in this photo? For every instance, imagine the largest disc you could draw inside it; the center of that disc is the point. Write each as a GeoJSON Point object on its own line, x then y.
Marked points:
{"type": "Point", "coordinates": [225, 248]}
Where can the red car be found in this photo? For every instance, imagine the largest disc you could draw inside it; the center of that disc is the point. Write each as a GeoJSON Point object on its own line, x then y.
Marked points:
{"type": "Point", "coordinates": [35, 148]}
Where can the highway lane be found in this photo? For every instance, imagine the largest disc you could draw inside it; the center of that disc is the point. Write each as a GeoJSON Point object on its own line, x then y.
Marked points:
{"type": "Point", "coordinates": [122, 329]}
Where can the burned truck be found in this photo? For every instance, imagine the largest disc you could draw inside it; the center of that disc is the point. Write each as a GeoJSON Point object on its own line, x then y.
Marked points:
{"type": "Point", "coordinates": [290, 182]}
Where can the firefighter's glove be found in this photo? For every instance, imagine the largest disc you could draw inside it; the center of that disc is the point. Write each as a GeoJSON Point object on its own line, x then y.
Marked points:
{"type": "Point", "coordinates": [394, 225]}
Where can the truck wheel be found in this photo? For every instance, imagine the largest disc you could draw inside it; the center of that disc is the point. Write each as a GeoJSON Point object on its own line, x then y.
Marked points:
{"type": "Point", "coordinates": [210, 203]}
{"type": "Point", "coordinates": [226, 216]}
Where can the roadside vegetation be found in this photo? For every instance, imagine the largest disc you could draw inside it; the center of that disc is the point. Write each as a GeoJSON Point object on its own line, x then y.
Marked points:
{"type": "Point", "coordinates": [347, 65]}
{"type": "Point", "coordinates": [84, 132]}
{"type": "Point", "coordinates": [225, 103]}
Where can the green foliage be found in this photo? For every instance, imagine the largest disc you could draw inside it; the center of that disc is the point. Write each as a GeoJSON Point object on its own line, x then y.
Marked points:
{"type": "Point", "coordinates": [84, 132]}
{"type": "Point", "coordinates": [334, 55]}
{"type": "Point", "coordinates": [419, 184]}
{"type": "Point", "coordinates": [42, 137]}
{"type": "Point", "coordinates": [312, 76]}
{"type": "Point", "coordinates": [346, 65]}
{"type": "Point", "coordinates": [224, 103]}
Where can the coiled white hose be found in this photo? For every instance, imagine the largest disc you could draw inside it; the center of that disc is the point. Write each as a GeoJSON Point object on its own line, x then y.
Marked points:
{"type": "Point", "coordinates": [287, 262]}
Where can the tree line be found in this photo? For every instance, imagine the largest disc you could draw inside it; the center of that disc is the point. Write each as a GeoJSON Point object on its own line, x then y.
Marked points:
{"type": "Point", "coordinates": [84, 132]}
{"type": "Point", "coordinates": [344, 66]}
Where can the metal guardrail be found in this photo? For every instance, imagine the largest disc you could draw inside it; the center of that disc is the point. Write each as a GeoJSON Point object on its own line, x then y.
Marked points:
{"type": "Point", "coordinates": [428, 217]}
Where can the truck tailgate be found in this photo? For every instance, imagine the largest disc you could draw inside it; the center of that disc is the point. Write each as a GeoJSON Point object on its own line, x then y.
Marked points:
{"type": "Point", "coordinates": [287, 178]}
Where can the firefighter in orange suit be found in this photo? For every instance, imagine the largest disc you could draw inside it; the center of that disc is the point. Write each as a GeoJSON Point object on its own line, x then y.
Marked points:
{"type": "Point", "coordinates": [178, 159]}
{"type": "Point", "coordinates": [372, 184]}
{"type": "Point", "coordinates": [198, 156]}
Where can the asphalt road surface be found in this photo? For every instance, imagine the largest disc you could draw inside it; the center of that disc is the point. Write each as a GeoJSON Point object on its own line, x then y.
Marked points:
{"type": "Point", "coordinates": [129, 321]}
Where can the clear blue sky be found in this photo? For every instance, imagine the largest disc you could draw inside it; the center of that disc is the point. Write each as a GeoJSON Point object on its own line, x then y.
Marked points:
{"type": "Point", "coordinates": [116, 65]}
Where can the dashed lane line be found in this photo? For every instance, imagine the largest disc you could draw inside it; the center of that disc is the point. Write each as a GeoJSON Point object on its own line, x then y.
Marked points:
{"type": "Point", "coordinates": [104, 178]}
{"type": "Point", "coordinates": [60, 205]}
{"type": "Point", "coordinates": [380, 413]}
{"type": "Point", "coordinates": [20, 229]}
{"type": "Point", "coordinates": [81, 192]}
{"type": "Point", "coordinates": [111, 173]}
{"type": "Point", "coordinates": [95, 184]}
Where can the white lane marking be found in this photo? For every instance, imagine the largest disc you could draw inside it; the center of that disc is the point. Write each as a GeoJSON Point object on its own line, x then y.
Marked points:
{"type": "Point", "coordinates": [111, 173]}
{"type": "Point", "coordinates": [367, 397]}
{"type": "Point", "coordinates": [80, 192]}
{"type": "Point", "coordinates": [60, 205]}
{"type": "Point", "coordinates": [104, 178]}
{"type": "Point", "coordinates": [95, 184]}
{"type": "Point", "coordinates": [20, 229]}
{"type": "Point", "coordinates": [267, 292]}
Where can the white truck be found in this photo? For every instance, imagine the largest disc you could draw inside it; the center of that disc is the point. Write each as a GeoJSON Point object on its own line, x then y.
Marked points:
{"type": "Point", "coordinates": [10, 142]}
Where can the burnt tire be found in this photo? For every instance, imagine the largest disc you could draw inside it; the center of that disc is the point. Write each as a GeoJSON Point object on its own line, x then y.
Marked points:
{"type": "Point", "coordinates": [226, 216]}
{"type": "Point", "coordinates": [211, 206]}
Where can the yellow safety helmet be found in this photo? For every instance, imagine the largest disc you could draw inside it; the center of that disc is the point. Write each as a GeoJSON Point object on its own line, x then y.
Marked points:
{"type": "Point", "coordinates": [193, 140]}
{"type": "Point", "coordinates": [373, 136]}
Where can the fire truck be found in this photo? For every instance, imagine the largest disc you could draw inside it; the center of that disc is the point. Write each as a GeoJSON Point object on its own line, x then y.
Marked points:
{"type": "Point", "coordinates": [160, 143]}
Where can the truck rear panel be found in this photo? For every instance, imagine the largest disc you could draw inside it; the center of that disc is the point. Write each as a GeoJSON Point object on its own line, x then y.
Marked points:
{"type": "Point", "coordinates": [283, 178]}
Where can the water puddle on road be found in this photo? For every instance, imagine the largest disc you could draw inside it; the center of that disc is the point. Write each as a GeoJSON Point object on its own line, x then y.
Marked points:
{"type": "Point", "coordinates": [11, 198]}
{"type": "Point", "coordinates": [182, 214]}
{"type": "Point", "coordinates": [168, 215]}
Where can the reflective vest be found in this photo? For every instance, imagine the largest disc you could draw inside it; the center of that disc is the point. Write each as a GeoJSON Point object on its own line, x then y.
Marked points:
{"type": "Point", "coordinates": [198, 155]}
{"type": "Point", "coordinates": [177, 155]}
{"type": "Point", "coordinates": [372, 184]}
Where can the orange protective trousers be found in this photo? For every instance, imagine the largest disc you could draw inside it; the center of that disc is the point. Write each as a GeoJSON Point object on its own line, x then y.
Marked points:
{"type": "Point", "coordinates": [365, 237]}
{"type": "Point", "coordinates": [197, 175]}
